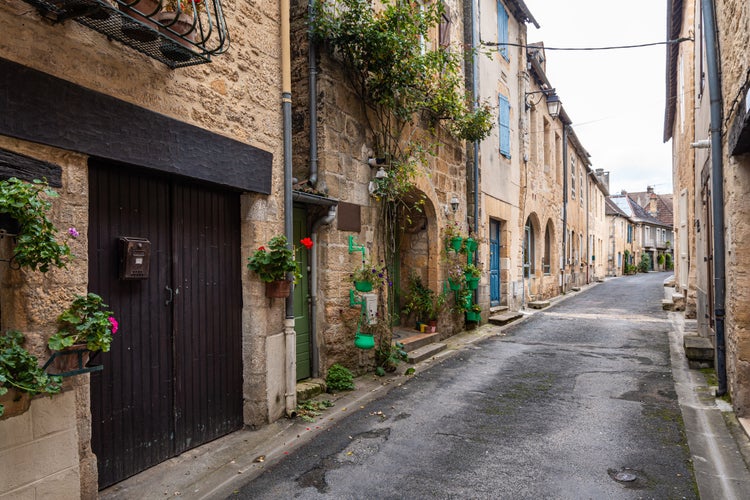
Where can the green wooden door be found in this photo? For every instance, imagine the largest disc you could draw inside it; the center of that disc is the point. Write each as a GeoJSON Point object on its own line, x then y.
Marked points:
{"type": "Point", "coordinates": [302, 298]}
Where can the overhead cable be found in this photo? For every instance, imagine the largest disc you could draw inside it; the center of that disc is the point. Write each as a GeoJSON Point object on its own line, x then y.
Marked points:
{"type": "Point", "coordinates": [612, 47]}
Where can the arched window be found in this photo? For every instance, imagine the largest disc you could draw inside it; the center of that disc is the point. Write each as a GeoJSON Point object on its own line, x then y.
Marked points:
{"type": "Point", "coordinates": [528, 249]}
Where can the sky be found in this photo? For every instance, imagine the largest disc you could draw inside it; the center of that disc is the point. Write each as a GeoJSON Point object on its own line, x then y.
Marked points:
{"type": "Point", "coordinates": [615, 98]}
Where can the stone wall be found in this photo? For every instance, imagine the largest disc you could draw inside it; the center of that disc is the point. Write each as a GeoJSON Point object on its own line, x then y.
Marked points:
{"type": "Point", "coordinates": [237, 95]}
{"type": "Point", "coordinates": [39, 451]}
{"type": "Point", "coordinates": [732, 18]}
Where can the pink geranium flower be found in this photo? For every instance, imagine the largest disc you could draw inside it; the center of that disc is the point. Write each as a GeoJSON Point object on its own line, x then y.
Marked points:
{"type": "Point", "coordinates": [114, 323]}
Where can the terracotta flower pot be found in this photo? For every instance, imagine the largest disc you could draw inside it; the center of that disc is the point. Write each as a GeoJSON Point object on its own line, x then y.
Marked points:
{"type": "Point", "coordinates": [278, 289]}
{"type": "Point", "coordinates": [14, 403]}
{"type": "Point", "coordinates": [142, 11]}
{"type": "Point", "coordinates": [67, 359]}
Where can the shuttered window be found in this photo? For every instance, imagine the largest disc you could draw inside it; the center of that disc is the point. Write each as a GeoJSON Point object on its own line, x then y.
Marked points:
{"type": "Point", "coordinates": [504, 118]}
{"type": "Point", "coordinates": [502, 30]}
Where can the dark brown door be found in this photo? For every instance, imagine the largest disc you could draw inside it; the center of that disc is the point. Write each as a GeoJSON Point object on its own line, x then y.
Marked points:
{"type": "Point", "coordinates": [173, 379]}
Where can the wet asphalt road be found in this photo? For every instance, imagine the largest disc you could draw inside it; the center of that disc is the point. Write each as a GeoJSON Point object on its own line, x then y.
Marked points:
{"type": "Point", "coordinates": [575, 402]}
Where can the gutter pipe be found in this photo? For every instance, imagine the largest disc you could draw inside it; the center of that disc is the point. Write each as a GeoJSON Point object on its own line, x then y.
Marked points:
{"type": "Point", "coordinates": [323, 221]}
{"type": "Point", "coordinates": [313, 95]}
{"type": "Point", "coordinates": [565, 204]}
{"type": "Point", "coordinates": [290, 360]}
{"type": "Point", "coordinates": [475, 91]}
{"type": "Point", "coordinates": [717, 191]}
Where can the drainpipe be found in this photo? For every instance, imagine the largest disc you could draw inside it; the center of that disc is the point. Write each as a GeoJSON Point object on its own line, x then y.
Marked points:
{"type": "Point", "coordinates": [565, 203]}
{"type": "Point", "coordinates": [475, 166]}
{"type": "Point", "coordinates": [313, 94]}
{"type": "Point", "coordinates": [717, 191]}
{"type": "Point", "coordinates": [290, 365]}
{"type": "Point", "coordinates": [323, 221]}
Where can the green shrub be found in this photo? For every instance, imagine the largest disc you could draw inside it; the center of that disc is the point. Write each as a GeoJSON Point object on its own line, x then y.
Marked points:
{"type": "Point", "coordinates": [668, 261]}
{"type": "Point", "coordinates": [339, 379]}
{"type": "Point", "coordinates": [645, 265]}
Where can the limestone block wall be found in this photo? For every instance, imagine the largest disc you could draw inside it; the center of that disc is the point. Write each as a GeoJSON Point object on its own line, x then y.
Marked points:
{"type": "Point", "coordinates": [732, 19]}
{"type": "Point", "coordinates": [39, 451]}
{"type": "Point", "coordinates": [236, 95]}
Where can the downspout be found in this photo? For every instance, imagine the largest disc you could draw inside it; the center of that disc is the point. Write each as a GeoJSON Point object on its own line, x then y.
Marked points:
{"type": "Point", "coordinates": [323, 221]}
{"type": "Point", "coordinates": [313, 94]}
{"type": "Point", "coordinates": [475, 92]}
{"type": "Point", "coordinates": [290, 360]}
{"type": "Point", "coordinates": [717, 191]}
{"type": "Point", "coordinates": [565, 205]}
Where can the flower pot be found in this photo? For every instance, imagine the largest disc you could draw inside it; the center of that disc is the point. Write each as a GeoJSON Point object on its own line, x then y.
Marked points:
{"type": "Point", "coordinates": [82, 8]}
{"type": "Point", "coordinates": [143, 29]}
{"type": "Point", "coordinates": [473, 316]}
{"type": "Point", "coordinates": [364, 341]}
{"type": "Point", "coordinates": [181, 28]}
{"type": "Point", "coordinates": [14, 403]}
{"type": "Point", "coordinates": [455, 243]}
{"type": "Point", "coordinates": [278, 289]}
{"type": "Point", "coordinates": [67, 360]}
{"type": "Point", "coordinates": [471, 245]}
{"type": "Point", "coordinates": [454, 285]}
{"type": "Point", "coordinates": [363, 286]}
{"type": "Point", "coordinates": [472, 283]}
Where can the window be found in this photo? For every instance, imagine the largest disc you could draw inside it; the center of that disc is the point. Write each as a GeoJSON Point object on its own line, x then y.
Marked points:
{"type": "Point", "coordinates": [572, 178]}
{"type": "Point", "coordinates": [528, 249]}
{"type": "Point", "coordinates": [647, 236]}
{"type": "Point", "coordinates": [580, 183]}
{"type": "Point", "coordinates": [504, 119]}
{"type": "Point", "coordinates": [630, 233]}
{"type": "Point", "coordinates": [502, 30]}
{"type": "Point", "coordinates": [444, 30]}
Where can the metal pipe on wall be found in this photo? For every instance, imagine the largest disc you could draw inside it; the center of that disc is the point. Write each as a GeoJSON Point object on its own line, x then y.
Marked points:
{"type": "Point", "coordinates": [290, 365]}
{"type": "Point", "coordinates": [717, 190]}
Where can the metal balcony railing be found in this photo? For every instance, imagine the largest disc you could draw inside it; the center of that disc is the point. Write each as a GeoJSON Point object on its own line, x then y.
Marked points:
{"type": "Point", "coordinates": [176, 32]}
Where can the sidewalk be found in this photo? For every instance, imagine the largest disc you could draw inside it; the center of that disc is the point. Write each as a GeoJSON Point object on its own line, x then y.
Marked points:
{"type": "Point", "coordinates": [218, 468]}
{"type": "Point", "coordinates": [719, 443]}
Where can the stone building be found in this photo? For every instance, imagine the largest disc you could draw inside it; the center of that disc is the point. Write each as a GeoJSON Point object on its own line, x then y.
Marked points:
{"type": "Point", "coordinates": [706, 118]}
{"type": "Point", "coordinates": [620, 243]}
{"type": "Point", "coordinates": [145, 133]}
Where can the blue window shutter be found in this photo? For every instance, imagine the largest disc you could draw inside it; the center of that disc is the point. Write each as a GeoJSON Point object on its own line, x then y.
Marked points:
{"type": "Point", "coordinates": [502, 30]}
{"type": "Point", "coordinates": [504, 125]}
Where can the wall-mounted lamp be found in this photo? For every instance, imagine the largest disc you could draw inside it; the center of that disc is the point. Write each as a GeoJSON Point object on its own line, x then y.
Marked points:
{"type": "Point", "coordinates": [454, 203]}
{"type": "Point", "coordinates": [453, 206]}
{"type": "Point", "coordinates": [553, 101]}
{"type": "Point", "coordinates": [381, 173]}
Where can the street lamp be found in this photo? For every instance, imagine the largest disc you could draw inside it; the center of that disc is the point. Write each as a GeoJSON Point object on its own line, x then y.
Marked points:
{"type": "Point", "coordinates": [553, 101]}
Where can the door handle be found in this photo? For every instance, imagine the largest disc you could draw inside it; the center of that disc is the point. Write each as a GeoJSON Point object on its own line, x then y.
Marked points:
{"type": "Point", "coordinates": [172, 294]}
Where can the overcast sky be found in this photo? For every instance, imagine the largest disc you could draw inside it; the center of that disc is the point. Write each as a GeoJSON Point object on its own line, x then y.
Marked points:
{"type": "Point", "coordinates": [615, 98]}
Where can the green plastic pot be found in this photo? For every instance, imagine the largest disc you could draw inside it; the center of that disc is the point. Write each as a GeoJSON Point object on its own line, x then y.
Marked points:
{"type": "Point", "coordinates": [364, 341]}
{"type": "Point", "coordinates": [363, 286]}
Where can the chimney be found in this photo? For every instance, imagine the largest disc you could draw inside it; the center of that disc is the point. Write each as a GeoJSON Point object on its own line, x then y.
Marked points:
{"type": "Point", "coordinates": [650, 189]}
{"type": "Point", "coordinates": [652, 204]}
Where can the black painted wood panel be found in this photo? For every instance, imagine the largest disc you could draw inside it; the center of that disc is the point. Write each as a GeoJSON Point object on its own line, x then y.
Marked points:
{"type": "Point", "coordinates": [173, 379]}
{"type": "Point", "coordinates": [38, 107]}
{"type": "Point", "coordinates": [27, 169]}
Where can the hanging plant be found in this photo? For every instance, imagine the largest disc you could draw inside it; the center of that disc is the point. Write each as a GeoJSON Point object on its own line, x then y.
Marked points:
{"type": "Point", "coordinates": [36, 243]}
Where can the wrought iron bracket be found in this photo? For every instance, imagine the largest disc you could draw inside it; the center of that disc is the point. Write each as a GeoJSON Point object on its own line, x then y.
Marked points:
{"type": "Point", "coordinates": [150, 34]}
{"type": "Point", "coordinates": [78, 371]}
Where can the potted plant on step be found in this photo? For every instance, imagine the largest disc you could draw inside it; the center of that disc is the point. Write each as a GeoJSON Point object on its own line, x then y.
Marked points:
{"type": "Point", "coordinates": [274, 262]}
{"type": "Point", "coordinates": [86, 326]}
{"type": "Point", "coordinates": [21, 376]}
{"type": "Point", "coordinates": [424, 302]}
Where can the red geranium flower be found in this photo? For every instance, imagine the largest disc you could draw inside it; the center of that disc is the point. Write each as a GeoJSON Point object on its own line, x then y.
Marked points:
{"type": "Point", "coordinates": [307, 242]}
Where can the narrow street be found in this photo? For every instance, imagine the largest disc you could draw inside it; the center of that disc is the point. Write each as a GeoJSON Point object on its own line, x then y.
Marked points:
{"type": "Point", "coordinates": [577, 401]}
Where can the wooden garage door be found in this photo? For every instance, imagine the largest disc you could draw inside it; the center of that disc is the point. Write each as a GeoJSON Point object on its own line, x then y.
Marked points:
{"type": "Point", "coordinates": [173, 379]}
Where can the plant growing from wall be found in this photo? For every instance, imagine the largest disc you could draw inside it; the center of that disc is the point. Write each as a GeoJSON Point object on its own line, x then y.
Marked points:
{"type": "Point", "coordinates": [401, 83]}
{"type": "Point", "coordinates": [28, 203]}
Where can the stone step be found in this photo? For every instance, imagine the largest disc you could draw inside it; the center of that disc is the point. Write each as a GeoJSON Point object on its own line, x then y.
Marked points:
{"type": "Point", "coordinates": [698, 348]}
{"type": "Point", "coordinates": [498, 309]}
{"type": "Point", "coordinates": [539, 304]}
{"type": "Point", "coordinates": [413, 340]}
{"type": "Point", "coordinates": [504, 318]}
{"type": "Point", "coordinates": [576, 289]}
{"type": "Point", "coordinates": [425, 352]}
{"type": "Point", "coordinates": [309, 388]}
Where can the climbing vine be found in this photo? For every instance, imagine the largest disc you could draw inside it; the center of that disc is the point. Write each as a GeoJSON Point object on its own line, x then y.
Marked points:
{"type": "Point", "coordinates": [405, 87]}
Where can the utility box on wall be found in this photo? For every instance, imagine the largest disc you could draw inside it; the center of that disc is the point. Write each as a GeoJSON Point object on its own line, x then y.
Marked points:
{"type": "Point", "coordinates": [135, 255]}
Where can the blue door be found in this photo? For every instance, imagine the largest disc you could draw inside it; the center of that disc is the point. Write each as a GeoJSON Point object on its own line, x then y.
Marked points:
{"type": "Point", "coordinates": [494, 263]}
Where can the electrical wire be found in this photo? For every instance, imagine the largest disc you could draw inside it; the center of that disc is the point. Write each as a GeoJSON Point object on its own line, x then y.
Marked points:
{"type": "Point", "coordinates": [612, 47]}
